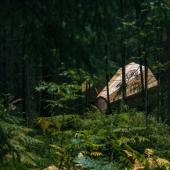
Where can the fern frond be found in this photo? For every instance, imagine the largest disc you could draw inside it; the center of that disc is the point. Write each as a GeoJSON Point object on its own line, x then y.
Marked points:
{"type": "Point", "coordinates": [131, 155]}
{"type": "Point", "coordinates": [68, 132]}
{"type": "Point", "coordinates": [126, 161]}
{"type": "Point", "coordinates": [96, 154]}
{"type": "Point", "coordinates": [57, 147]}
{"type": "Point", "coordinates": [12, 119]}
{"type": "Point", "coordinates": [6, 127]}
{"type": "Point", "coordinates": [33, 156]}
{"type": "Point", "coordinates": [95, 164]}
{"type": "Point", "coordinates": [44, 123]}
{"type": "Point", "coordinates": [79, 135]}
{"type": "Point", "coordinates": [58, 125]}
{"type": "Point", "coordinates": [148, 152]}
{"type": "Point", "coordinates": [87, 162]}
{"type": "Point", "coordinates": [163, 162]}
{"type": "Point", "coordinates": [27, 159]}
{"type": "Point", "coordinates": [29, 140]}
{"type": "Point", "coordinates": [16, 145]}
{"type": "Point", "coordinates": [141, 138]}
{"type": "Point", "coordinates": [163, 138]}
{"type": "Point", "coordinates": [136, 129]}
{"type": "Point", "coordinates": [122, 129]}
{"type": "Point", "coordinates": [96, 146]}
{"type": "Point", "coordinates": [125, 140]}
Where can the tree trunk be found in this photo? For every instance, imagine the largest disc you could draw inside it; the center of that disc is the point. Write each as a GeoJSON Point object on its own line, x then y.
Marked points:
{"type": "Point", "coordinates": [142, 81]}
{"type": "Point", "coordinates": [107, 83]}
{"type": "Point", "coordinates": [80, 101]}
{"type": "Point", "coordinates": [146, 91]}
{"type": "Point", "coordinates": [4, 68]}
{"type": "Point", "coordinates": [26, 93]}
{"type": "Point", "coordinates": [47, 77]}
{"type": "Point", "coordinates": [123, 59]}
{"type": "Point", "coordinates": [138, 14]}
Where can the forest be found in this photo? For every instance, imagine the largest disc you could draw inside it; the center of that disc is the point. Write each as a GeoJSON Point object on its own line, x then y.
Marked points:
{"type": "Point", "coordinates": [57, 57]}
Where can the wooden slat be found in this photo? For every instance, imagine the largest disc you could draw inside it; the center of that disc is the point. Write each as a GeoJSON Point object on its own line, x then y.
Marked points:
{"type": "Point", "coordinates": [133, 86]}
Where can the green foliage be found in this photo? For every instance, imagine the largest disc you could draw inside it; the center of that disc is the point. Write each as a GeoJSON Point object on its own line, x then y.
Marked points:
{"type": "Point", "coordinates": [57, 134]}
{"type": "Point", "coordinates": [63, 92]}
{"type": "Point", "coordinates": [63, 30]}
{"type": "Point", "coordinates": [69, 135]}
{"type": "Point", "coordinates": [16, 141]}
{"type": "Point", "coordinates": [97, 142]}
{"type": "Point", "coordinates": [73, 34]}
{"type": "Point", "coordinates": [103, 141]}
{"type": "Point", "coordinates": [159, 135]}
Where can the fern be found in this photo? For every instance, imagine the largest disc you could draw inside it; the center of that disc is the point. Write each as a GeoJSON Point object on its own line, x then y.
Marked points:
{"type": "Point", "coordinates": [106, 141]}
{"type": "Point", "coordinates": [86, 162]}
{"type": "Point", "coordinates": [25, 158]}
{"type": "Point", "coordinates": [122, 129]}
{"type": "Point", "coordinates": [16, 141]}
{"type": "Point", "coordinates": [125, 140]}
{"type": "Point", "coordinates": [96, 154]}
{"type": "Point", "coordinates": [163, 163]}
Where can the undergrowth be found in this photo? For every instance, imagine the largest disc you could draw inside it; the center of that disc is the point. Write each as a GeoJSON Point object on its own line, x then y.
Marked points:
{"type": "Point", "coordinates": [18, 146]}
{"type": "Point", "coordinates": [97, 141]}
{"type": "Point", "coordinates": [102, 141]}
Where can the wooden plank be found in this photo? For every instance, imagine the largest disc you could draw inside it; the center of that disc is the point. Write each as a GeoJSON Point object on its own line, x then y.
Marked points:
{"type": "Point", "coordinates": [133, 84]}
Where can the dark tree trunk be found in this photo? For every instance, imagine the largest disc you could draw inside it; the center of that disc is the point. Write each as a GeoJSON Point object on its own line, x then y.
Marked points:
{"type": "Point", "coordinates": [146, 91]}
{"type": "Point", "coordinates": [86, 95]}
{"type": "Point", "coordinates": [138, 15]}
{"type": "Point", "coordinates": [89, 94]}
{"type": "Point", "coordinates": [23, 90]}
{"type": "Point", "coordinates": [142, 81]}
{"type": "Point", "coordinates": [47, 77]}
{"type": "Point", "coordinates": [159, 77]}
{"type": "Point", "coordinates": [80, 101]}
{"type": "Point", "coordinates": [123, 58]}
{"type": "Point", "coordinates": [107, 83]}
{"type": "Point", "coordinates": [26, 92]}
{"type": "Point", "coordinates": [4, 68]}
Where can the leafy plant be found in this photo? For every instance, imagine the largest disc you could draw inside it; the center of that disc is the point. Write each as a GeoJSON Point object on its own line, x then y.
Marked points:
{"type": "Point", "coordinates": [17, 146]}
{"type": "Point", "coordinates": [103, 141]}
{"type": "Point", "coordinates": [112, 141]}
{"type": "Point", "coordinates": [64, 92]}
